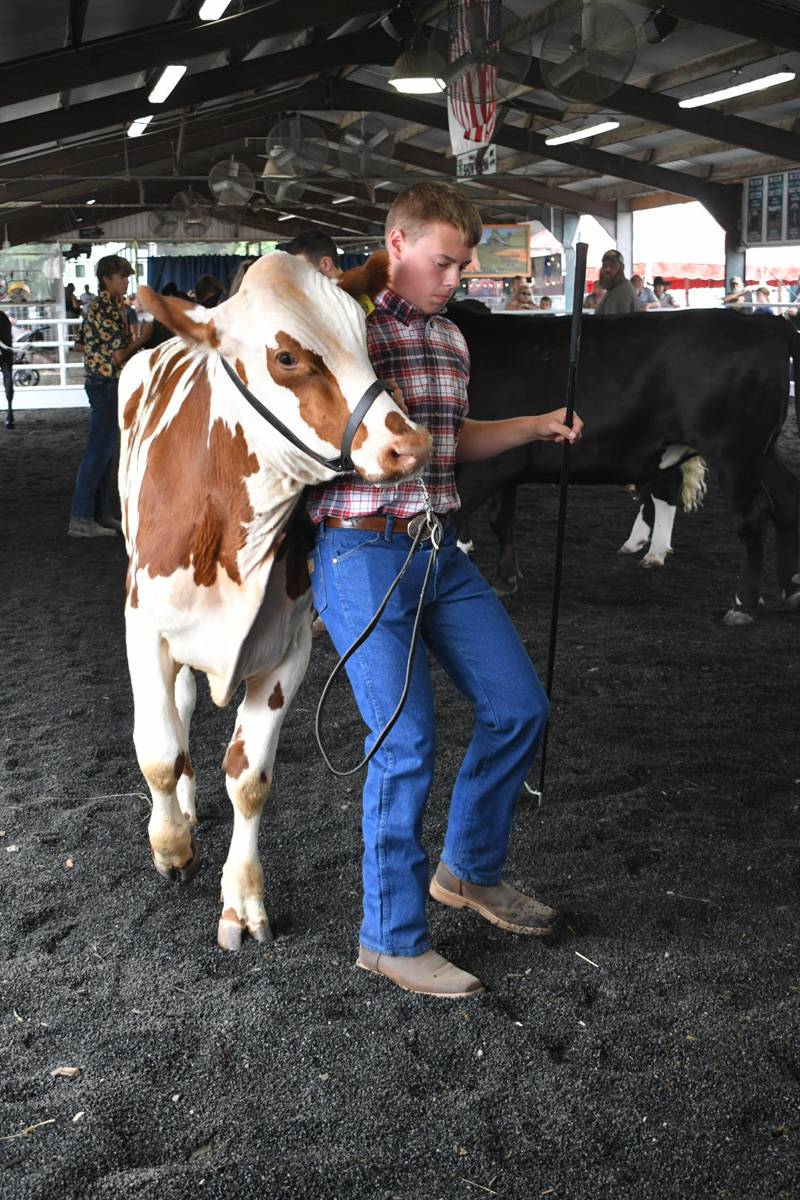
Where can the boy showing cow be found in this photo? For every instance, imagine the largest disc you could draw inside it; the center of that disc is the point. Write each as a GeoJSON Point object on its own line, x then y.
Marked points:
{"type": "Point", "coordinates": [362, 541]}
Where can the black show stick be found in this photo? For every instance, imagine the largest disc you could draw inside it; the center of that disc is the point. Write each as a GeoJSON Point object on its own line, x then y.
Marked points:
{"type": "Point", "coordinates": [574, 358]}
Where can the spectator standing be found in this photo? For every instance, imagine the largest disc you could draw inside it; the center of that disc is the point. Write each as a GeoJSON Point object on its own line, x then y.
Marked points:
{"type": "Point", "coordinates": [72, 304]}
{"type": "Point", "coordinates": [318, 250]}
{"type": "Point", "coordinates": [665, 298]}
{"type": "Point", "coordinates": [647, 297]}
{"type": "Point", "coordinates": [521, 298]}
{"type": "Point", "coordinates": [209, 291]}
{"type": "Point", "coordinates": [593, 298]}
{"type": "Point", "coordinates": [236, 281]}
{"type": "Point", "coordinates": [85, 299]}
{"type": "Point", "coordinates": [738, 297]}
{"type": "Point", "coordinates": [620, 296]}
{"type": "Point", "coordinates": [106, 347]}
{"type": "Point", "coordinates": [762, 302]}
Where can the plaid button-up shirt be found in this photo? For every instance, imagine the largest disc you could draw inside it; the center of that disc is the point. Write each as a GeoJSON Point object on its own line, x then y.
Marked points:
{"type": "Point", "coordinates": [427, 358]}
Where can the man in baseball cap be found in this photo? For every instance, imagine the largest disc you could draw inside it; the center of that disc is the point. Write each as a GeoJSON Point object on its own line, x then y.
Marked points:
{"type": "Point", "coordinates": [620, 294]}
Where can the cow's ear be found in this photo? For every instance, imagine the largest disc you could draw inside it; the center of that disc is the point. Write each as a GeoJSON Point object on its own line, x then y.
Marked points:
{"type": "Point", "coordinates": [368, 279]}
{"type": "Point", "coordinates": [190, 321]}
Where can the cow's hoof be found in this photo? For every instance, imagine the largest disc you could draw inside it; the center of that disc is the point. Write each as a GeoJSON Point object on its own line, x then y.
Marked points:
{"type": "Point", "coordinates": [629, 548]}
{"type": "Point", "coordinates": [184, 874]}
{"type": "Point", "coordinates": [466, 547]}
{"type": "Point", "coordinates": [736, 617]}
{"type": "Point", "coordinates": [651, 560]}
{"type": "Point", "coordinates": [261, 933]}
{"type": "Point", "coordinates": [796, 579]}
{"type": "Point", "coordinates": [231, 928]}
{"type": "Point", "coordinates": [10, 425]}
{"type": "Point", "coordinates": [794, 601]}
{"type": "Point", "coordinates": [505, 587]}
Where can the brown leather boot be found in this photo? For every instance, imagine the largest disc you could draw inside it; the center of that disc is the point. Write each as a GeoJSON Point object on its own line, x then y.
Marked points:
{"type": "Point", "coordinates": [428, 974]}
{"type": "Point", "coordinates": [500, 903]}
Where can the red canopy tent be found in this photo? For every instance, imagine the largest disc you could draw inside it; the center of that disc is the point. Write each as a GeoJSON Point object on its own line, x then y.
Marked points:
{"type": "Point", "coordinates": [708, 275]}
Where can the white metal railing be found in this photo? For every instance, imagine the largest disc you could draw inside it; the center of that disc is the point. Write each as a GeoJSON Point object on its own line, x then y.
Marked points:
{"type": "Point", "coordinates": [63, 344]}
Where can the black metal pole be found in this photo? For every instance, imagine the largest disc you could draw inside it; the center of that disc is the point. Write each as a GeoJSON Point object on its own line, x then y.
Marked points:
{"type": "Point", "coordinates": [574, 359]}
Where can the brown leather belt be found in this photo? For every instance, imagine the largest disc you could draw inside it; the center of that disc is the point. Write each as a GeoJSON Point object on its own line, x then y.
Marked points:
{"type": "Point", "coordinates": [378, 524]}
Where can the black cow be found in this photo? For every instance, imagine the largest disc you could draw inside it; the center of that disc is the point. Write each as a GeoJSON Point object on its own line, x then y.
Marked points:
{"type": "Point", "coordinates": [653, 388]}
{"type": "Point", "coordinates": [7, 366]}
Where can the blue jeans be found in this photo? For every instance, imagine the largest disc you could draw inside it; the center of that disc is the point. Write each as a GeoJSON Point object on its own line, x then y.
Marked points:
{"type": "Point", "coordinates": [466, 628]}
{"type": "Point", "coordinates": [94, 486]}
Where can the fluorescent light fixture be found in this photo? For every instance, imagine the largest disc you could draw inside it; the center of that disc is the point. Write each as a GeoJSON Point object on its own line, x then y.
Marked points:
{"type": "Point", "coordinates": [169, 79]}
{"type": "Point", "coordinates": [288, 217]}
{"type": "Point", "coordinates": [212, 10]}
{"type": "Point", "coordinates": [137, 128]}
{"type": "Point", "coordinates": [738, 89]}
{"type": "Point", "coordinates": [419, 73]}
{"type": "Point", "coordinates": [578, 134]}
{"type": "Point", "coordinates": [342, 199]}
{"type": "Point", "coordinates": [91, 202]}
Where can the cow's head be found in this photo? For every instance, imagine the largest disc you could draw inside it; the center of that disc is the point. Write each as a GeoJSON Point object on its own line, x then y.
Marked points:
{"type": "Point", "coordinates": [298, 342]}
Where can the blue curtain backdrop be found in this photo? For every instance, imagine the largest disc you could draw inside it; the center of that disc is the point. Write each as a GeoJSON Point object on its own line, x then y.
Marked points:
{"type": "Point", "coordinates": [185, 270]}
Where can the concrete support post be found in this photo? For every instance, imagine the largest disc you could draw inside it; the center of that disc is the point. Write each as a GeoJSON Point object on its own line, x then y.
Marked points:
{"type": "Point", "coordinates": [735, 257]}
{"type": "Point", "coordinates": [564, 226]}
{"type": "Point", "coordinates": [625, 234]}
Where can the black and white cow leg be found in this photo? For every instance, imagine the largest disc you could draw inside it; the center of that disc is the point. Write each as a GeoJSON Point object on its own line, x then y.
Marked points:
{"type": "Point", "coordinates": [784, 494]}
{"type": "Point", "coordinates": [8, 384]}
{"type": "Point", "coordinates": [502, 522]}
{"type": "Point", "coordinates": [639, 535]}
{"type": "Point", "coordinates": [464, 537]}
{"type": "Point", "coordinates": [661, 540]}
{"type": "Point", "coordinates": [753, 533]}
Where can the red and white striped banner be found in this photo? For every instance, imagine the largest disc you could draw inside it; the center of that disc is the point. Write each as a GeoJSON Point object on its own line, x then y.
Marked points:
{"type": "Point", "coordinates": [472, 97]}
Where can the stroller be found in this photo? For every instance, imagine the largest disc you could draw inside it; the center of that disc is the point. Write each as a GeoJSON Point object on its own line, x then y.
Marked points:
{"type": "Point", "coordinates": [26, 375]}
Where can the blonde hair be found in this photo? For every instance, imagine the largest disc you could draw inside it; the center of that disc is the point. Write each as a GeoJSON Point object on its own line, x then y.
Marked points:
{"type": "Point", "coordinates": [425, 204]}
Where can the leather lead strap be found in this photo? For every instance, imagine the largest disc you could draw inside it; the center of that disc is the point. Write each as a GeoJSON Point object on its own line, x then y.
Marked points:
{"type": "Point", "coordinates": [342, 464]}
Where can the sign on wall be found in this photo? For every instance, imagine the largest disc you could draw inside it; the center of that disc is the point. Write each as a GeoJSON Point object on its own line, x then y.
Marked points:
{"type": "Point", "coordinates": [772, 209]}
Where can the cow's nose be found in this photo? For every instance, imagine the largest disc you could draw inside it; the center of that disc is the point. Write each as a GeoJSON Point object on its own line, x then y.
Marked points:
{"type": "Point", "coordinates": [409, 454]}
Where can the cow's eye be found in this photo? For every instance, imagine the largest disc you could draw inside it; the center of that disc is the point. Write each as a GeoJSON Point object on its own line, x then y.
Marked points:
{"type": "Point", "coordinates": [286, 359]}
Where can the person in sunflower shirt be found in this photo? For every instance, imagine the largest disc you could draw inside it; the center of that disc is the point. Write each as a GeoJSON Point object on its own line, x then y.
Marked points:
{"type": "Point", "coordinates": [107, 344]}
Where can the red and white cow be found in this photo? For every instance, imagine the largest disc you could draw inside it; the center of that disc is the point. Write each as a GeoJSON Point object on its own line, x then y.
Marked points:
{"type": "Point", "coordinates": [217, 578]}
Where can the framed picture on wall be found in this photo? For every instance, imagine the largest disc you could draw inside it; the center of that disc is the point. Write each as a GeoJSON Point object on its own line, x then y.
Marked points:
{"type": "Point", "coordinates": [503, 251]}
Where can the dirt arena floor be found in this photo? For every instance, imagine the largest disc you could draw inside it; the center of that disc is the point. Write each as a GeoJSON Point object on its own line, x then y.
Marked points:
{"type": "Point", "coordinates": [653, 1053]}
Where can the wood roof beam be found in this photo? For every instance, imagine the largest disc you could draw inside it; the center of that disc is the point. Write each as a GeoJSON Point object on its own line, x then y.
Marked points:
{"type": "Point", "coordinates": [254, 75]}
{"type": "Point", "coordinates": [350, 95]}
{"type": "Point", "coordinates": [530, 189]}
{"type": "Point", "coordinates": [709, 122]}
{"type": "Point", "coordinates": [170, 41]}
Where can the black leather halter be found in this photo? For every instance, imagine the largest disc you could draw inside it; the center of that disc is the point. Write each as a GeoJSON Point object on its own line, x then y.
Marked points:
{"type": "Point", "coordinates": [343, 464]}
